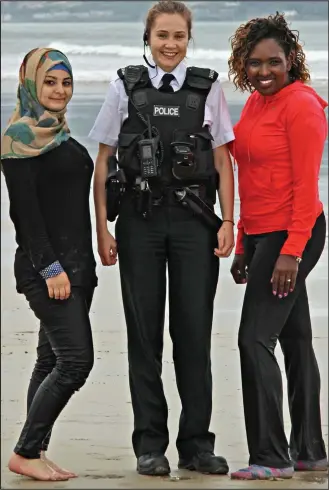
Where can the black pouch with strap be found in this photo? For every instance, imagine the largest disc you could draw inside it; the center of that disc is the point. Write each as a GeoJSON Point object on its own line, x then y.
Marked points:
{"type": "Point", "coordinates": [115, 186]}
{"type": "Point", "coordinates": [132, 76]}
{"type": "Point", "coordinates": [199, 81]}
{"type": "Point", "coordinates": [199, 208]}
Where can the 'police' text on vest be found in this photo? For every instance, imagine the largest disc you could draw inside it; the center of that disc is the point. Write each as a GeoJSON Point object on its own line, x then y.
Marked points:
{"type": "Point", "coordinates": [160, 110]}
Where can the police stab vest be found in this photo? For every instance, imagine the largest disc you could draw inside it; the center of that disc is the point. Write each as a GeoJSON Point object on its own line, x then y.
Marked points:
{"type": "Point", "coordinates": [177, 117]}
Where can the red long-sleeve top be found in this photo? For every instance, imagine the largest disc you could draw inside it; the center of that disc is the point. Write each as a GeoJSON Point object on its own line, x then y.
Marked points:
{"type": "Point", "coordinates": [278, 148]}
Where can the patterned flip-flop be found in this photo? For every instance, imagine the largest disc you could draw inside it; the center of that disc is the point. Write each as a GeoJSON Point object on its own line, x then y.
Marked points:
{"type": "Point", "coordinates": [320, 465]}
{"type": "Point", "coordinates": [255, 472]}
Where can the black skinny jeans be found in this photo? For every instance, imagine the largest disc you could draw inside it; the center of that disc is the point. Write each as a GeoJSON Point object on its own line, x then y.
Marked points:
{"type": "Point", "coordinates": [265, 319]}
{"type": "Point", "coordinates": [64, 360]}
{"type": "Point", "coordinates": [171, 237]}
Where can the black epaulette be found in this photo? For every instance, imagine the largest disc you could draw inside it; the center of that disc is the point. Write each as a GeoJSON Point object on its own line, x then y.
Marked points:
{"type": "Point", "coordinates": [201, 78]}
{"type": "Point", "coordinates": [133, 75]}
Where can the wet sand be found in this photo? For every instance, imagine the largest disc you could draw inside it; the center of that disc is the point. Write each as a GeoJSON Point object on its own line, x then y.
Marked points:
{"type": "Point", "coordinates": [93, 434]}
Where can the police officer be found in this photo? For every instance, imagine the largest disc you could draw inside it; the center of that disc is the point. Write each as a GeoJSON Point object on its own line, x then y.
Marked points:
{"type": "Point", "coordinates": [170, 125]}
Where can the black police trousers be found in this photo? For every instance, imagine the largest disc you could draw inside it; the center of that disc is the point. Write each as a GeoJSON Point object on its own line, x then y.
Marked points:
{"type": "Point", "coordinates": [173, 237]}
{"type": "Point", "coordinates": [64, 360]}
{"type": "Point", "coordinates": [266, 319]}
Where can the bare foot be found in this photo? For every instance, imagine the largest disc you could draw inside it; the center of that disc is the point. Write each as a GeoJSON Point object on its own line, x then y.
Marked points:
{"type": "Point", "coordinates": [55, 467]}
{"type": "Point", "coordinates": [34, 468]}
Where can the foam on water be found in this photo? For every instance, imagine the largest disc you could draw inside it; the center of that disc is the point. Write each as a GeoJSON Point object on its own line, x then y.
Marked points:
{"type": "Point", "coordinates": [100, 62]}
{"type": "Point", "coordinates": [132, 51]}
{"type": "Point", "coordinates": [97, 49]}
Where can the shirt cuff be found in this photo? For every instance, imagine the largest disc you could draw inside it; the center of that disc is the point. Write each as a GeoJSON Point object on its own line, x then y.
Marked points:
{"type": "Point", "coordinates": [52, 270]}
{"type": "Point", "coordinates": [225, 138]}
{"type": "Point", "coordinates": [239, 248]}
{"type": "Point", "coordinates": [296, 243]}
{"type": "Point", "coordinates": [100, 138]}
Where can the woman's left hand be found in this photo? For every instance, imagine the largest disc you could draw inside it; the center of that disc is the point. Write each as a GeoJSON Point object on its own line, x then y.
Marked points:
{"type": "Point", "coordinates": [284, 275]}
{"type": "Point", "coordinates": [225, 237]}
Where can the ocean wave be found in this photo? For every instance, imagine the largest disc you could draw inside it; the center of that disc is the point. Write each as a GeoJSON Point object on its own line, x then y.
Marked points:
{"type": "Point", "coordinates": [100, 63]}
{"type": "Point", "coordinates": [101, 76]}
{"type": "Point", "coordinates": [133, 51]}
{"type": "Point", "coordinates": [90, 75]}
{"type": "Point", "coordinates": [130, 51]}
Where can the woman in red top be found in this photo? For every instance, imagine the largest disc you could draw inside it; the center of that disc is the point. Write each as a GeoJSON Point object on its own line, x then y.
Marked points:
{"type": "Point", "coordinates": [281, 234]}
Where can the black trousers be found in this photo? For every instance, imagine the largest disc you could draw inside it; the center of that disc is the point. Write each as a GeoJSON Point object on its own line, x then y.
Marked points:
{"type": "Point", "coordinates": [265, 319]}
{"type": "Point", "coordinates": [175, 238]}
{"type": "Point", "coordinates": [64, 360]}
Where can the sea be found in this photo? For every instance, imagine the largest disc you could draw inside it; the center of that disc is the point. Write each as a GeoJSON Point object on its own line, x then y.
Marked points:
{"type": "Point", "coordinates": [97, 50]}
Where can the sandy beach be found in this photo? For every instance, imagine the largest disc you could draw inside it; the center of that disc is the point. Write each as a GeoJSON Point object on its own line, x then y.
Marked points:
{"type": "Point", "coordinates": [93, 434]}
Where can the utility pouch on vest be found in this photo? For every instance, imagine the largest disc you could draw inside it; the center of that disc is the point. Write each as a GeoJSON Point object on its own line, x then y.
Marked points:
{"type": "Point", "coordinates": [183, 161]}
{"type": "Point", "coordinates": [192, 155]}
{"type": "Point", "coordinates": [115, 187]}
{"type": "Point", "coordinates": [128, 152]}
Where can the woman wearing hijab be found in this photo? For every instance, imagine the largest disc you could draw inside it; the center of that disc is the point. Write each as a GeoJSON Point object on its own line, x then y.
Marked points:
{"type": "Point", "coordinates": [48, 177]}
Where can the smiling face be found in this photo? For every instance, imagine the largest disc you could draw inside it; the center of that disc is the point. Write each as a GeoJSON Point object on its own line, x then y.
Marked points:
{"type": "Point", "coordinates": [56, 91]}
{"type": "Point", "coordinates": [267, 67]}
{"type": "Point", "coordinates": [168, 40]}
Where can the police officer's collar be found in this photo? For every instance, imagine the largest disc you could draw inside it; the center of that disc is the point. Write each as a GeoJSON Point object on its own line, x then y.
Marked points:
{"type": "Point", "coordinates": [157, 73]}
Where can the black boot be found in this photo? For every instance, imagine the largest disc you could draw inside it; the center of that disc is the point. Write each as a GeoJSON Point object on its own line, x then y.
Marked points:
{"type": "Point", "coordinates": [205, 462]}
{"type": "Point", "coordinates": [153, 464]}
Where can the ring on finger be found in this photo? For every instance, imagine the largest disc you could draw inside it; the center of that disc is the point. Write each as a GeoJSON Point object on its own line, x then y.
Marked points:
{"type": "Point", "coordinates": [288, 280]}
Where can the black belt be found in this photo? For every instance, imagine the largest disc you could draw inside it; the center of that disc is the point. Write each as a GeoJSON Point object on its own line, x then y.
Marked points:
{"type": "Point", "coordinates": [157, 196]}
{"type": "Point", "coordinates": [191, 198]}
{"type": "Point", "coordinates": [166, 193]}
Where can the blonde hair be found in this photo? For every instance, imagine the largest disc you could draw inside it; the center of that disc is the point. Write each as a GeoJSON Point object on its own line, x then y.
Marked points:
{"type": "Point", "coordinates": [167, 7]}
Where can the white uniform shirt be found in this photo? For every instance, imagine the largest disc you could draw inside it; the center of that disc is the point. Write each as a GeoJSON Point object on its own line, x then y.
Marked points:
{"type": "Point", "coordinates": [114, 110]}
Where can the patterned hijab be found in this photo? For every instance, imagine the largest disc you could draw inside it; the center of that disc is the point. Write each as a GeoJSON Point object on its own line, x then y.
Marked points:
{"type": "Point", "coordinates": [32, 129]}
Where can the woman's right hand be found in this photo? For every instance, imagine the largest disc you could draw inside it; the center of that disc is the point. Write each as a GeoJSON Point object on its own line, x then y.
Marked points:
{"type": "Point", "coordinates": [107, 248]}
{"type": "Point", "coordinates": [239, 269]}
{"type": "Point", "coordinates": [59, 287]}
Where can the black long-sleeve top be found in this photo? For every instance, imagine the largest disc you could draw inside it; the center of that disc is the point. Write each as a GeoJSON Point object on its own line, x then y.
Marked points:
{"type": "Point", "coordinates": [49, 206]}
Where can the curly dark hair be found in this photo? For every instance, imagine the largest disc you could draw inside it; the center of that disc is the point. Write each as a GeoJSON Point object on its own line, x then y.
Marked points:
{"type": "Point", "coordinates": [248, 35]}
